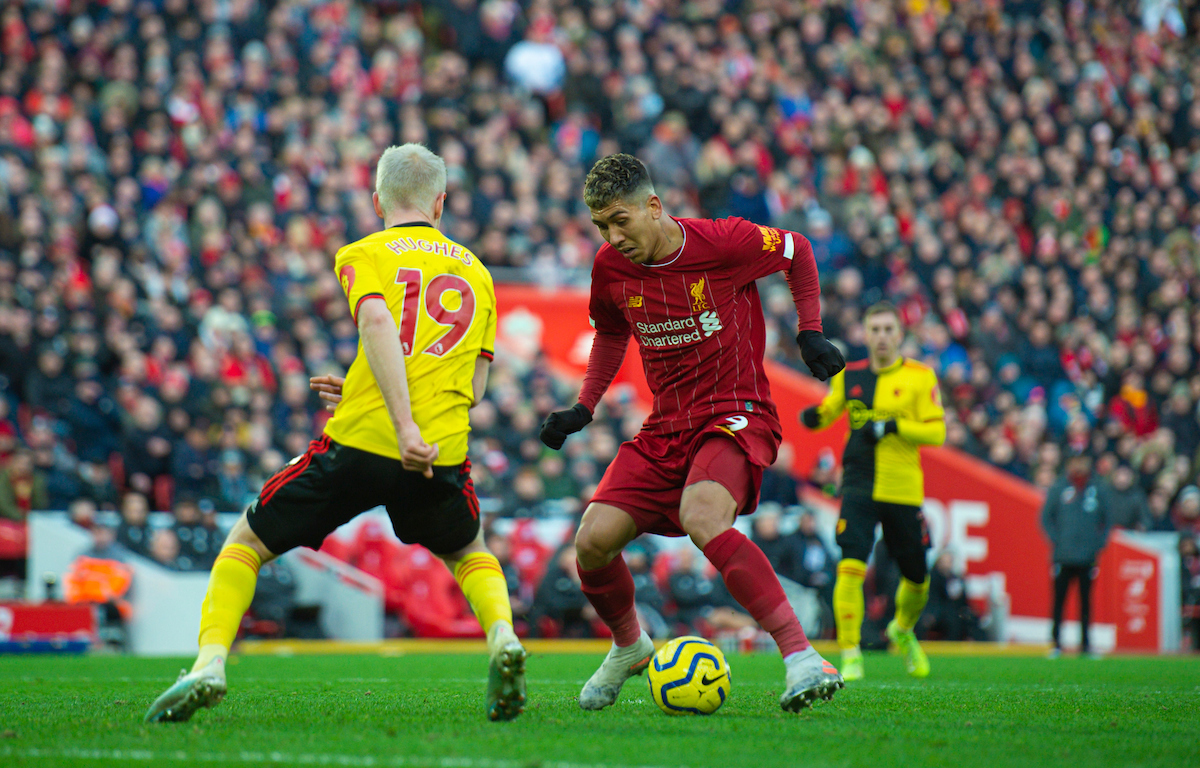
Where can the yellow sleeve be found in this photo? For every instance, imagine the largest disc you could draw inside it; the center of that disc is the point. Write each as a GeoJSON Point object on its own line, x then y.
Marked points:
{"type": "Point", "coordinates": [488, 349]}
{"type": "Point", "coordinates": [834, 403]}
{"type": "Point", "coordinates": [929, 426]}
{"type": "Point", "coordinates": [359, 278]}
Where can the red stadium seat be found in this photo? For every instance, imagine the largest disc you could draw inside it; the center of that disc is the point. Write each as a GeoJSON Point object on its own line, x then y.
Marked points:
{"type": "Point", "coordinates": [163, 492]}
{"type": "Point", "coordinates": [529, 554]}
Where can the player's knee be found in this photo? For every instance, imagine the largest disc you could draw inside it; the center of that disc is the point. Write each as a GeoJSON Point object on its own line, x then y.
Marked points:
{"type": "Point", "coordinates": [704, 528]}
{"type": "Point", "coordinates": [705, 514]}
{"type": "Point", "coordinates": [590, 550]}
{"type": "Point", "coordinates": [243, 534]}
{"type": "Point", "coordinates": [602, 534]}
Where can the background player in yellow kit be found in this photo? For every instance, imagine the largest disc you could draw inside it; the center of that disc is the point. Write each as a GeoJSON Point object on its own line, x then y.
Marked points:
{"type": "Point", "coordinates": [426, 314]}
{"type": "Point", "coordinates": [895, 406]}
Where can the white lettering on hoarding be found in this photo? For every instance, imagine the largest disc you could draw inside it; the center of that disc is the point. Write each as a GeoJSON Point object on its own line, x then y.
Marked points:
{"type": "Point", "coordinates": [948, 528]}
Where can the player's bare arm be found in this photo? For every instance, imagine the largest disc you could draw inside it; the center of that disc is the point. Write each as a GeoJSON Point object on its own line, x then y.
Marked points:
{"type": "Point", "coordinates": [381, 343]}
{"type": "Point", "coordinates": [479, 379]}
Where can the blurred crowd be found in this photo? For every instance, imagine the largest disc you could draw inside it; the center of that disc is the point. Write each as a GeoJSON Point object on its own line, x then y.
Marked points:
{"type": "Point", "coordinates": [1022, 179]}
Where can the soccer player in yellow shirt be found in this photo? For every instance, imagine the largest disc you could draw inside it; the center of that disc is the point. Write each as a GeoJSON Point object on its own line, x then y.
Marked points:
{"type": "Point", "coordinates": [426, 314]}
{"type": "Point", "coordinates": [895, 406]}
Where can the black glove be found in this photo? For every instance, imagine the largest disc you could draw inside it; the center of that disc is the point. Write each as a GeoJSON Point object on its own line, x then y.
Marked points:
{"type": "Point", "coordinates": [877, 430]}
{"type": "Point", "coordinates": [810, 417]}
{"type": "Point", "coordinates": [559, 424]}
{"type": "Point", "coordinates": [821, 357]}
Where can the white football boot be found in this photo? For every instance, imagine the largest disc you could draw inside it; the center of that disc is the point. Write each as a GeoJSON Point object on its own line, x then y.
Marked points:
{"type": "Point", "coordinates": [203, 688]}
{"type": "Point", "coordinates": [619, 665]}
{"type": "Point", "coordinates": [809, 677]}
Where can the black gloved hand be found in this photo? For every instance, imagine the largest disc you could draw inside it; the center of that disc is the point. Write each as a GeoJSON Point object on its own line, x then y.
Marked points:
{"type": "Point", "coordinates": [810, 417]}
{"type": "Point", "coordinates": [819, 354]}
{"type": "Point", "coordinates": [559, 424]}
{"type": "Point", "coordinates": [877, 430]}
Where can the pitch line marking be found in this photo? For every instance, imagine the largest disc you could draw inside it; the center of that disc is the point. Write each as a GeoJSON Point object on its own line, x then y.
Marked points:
{"type": "Point", "coordinates": [284, 758]}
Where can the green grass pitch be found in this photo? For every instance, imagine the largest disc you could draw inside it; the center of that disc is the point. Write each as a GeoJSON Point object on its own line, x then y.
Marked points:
{"type": "Point", "coordinates": [426, 710]}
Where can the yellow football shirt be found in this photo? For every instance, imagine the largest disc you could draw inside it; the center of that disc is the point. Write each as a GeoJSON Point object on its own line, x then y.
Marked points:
{"type": "Point", "coordinates": [444, 304]}
{"type": "Point", "coordinates": [907, 391]}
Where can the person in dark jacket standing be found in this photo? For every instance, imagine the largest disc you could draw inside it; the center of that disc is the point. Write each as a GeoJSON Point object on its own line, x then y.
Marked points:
{"type": "Point", "coordinates": [1076, 520]}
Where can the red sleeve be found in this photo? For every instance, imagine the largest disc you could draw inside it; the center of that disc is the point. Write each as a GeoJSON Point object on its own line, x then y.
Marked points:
{"type": "Point", "coordinates": [608, 346]}
{"type": "Point", "coordinates": [756, 251]}
{"type": "Point", "coordinates": [608, 352]}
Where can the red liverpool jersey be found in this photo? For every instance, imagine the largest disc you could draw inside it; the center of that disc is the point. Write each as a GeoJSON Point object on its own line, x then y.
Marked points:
{"type": "Point", "coordinates": [697, 317]}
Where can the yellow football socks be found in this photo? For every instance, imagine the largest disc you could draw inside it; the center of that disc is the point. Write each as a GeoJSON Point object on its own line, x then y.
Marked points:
{"type": "Point", "coordinates": [230, 590]}
{"type": "Point", "coordinates": [848, 601]}
{"type": "Point", "coordinates": [910, 599]}
{"type": "Point", "coordinates": [482, 581]}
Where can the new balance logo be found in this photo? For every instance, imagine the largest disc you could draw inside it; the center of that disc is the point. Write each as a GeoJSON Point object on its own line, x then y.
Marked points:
{"type": "Point", "coordinates": [737, 423]}
{"type": "Point", "coordinates": [710, 323]}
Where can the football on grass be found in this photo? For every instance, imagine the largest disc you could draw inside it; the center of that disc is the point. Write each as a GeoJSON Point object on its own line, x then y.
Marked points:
{"type": "Point", "coordinates": [689, 676]}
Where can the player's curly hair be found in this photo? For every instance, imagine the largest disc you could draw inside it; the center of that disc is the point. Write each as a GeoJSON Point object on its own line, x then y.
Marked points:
{"type": "Point", "coordinates": [616, 177]}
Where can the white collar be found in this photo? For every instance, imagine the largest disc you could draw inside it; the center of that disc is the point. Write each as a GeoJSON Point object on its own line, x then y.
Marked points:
{"type": "Point", "coordinates": [681, 247]}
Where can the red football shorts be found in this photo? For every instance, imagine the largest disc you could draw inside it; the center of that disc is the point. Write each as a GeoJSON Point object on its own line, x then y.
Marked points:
{"type": "Point", "coordinates": [649, 473]}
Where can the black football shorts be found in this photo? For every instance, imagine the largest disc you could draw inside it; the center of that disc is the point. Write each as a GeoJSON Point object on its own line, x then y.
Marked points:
{"type": "Point", "coordinates": [329, 484]}
{"type": "Point", "coordinates": [904, 532]}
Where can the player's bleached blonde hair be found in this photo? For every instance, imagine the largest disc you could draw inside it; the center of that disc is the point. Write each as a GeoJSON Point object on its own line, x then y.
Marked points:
{"type": "Point", "coordinates": [409, 176]}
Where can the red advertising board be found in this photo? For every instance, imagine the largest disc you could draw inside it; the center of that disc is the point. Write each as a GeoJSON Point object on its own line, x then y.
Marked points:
{"type": "Point", "coordinates": [46, 621]}
{"type": "Point", "coordinates": [1129, 584]}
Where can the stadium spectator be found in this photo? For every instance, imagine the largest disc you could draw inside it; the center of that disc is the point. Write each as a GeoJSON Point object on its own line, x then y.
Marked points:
{"type": "Point", "coordinates": [816, 566]}
{"type": "Point", "coordinates": [234, 488]}
{"type": "Point", "coordinates": [164, 550]}
{"type": "Point", "coordinates": [199, 543]}
{"type": "Point", "coordinates": [778, 485]}
{"type": "Point", "coordinates": [94, 421]}
{"type": "Point", "coordinates": [146, 449]}
{"type": "Point", "coordinates": [22, 488]}
{"type": "Point", "coordinates": [101, 576]}
{"type": "Point", "coordinates": [519, 593]}
{"type": "Point", "coordinates": [648, 599]}
{"type": "Point", "coordinates": [134, 533]}
{"type": "Point", "coordinates": [48, 388]}
{"type": "Point", "coordinates": [1189, 569]}
{"type": "Point", "coordinates": [105, 545]}
{"type": "Point", "coordinates": [559, 606]}
{"type": "Point", "coordinates": [1130, 508]}
{"type": "Point", "coordinates": [273, 602]}
{"type": "Point", "coordinates": [82, 512]}
{"type": "Point", "coordinates": [702, 603]}
{"type": "Point", "coordinates": [779, 549]}
{"type": "Point", "coordinates": [948, 614]}
{"type": "Point", "coordinates": [1187, 511]}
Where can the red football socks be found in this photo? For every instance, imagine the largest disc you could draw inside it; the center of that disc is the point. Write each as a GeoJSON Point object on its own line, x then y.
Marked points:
{"type": "Point", "coordinates": [610, 591]}
{"type": "Point", "coordinates": [752, 582]}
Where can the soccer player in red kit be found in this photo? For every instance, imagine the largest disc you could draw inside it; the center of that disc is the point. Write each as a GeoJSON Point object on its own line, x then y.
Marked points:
{"type": "Point", "coordinates": [684, 288]}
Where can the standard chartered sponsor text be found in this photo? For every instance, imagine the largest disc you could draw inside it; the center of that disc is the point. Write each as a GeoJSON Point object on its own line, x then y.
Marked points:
{"type": "Point", "coordinates": [656, 334]}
